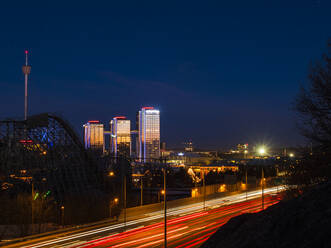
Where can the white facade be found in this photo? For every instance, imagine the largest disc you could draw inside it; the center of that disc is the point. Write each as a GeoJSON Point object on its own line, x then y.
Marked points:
{"type": "Point", "coordinates": [149, 134]}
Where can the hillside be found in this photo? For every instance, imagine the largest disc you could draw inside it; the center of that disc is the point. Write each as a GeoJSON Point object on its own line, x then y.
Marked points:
{"type": "Point", "coordinates": [301, 222]}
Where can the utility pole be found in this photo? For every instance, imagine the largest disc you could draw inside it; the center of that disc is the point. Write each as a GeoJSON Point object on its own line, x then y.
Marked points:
{"type": "Point", "coordinates": [165, 204]}
{"type": "Point", "coordinates": [246, 175]}
{"type": "Point", "coordinates": [26, 71]}
{"type": "Point", "coordinates": [262, 188]}
{"type": "Point", "coordinates": [110, 206]}
{"type": "Point", "coordinates": [124, 203]}
{"type": "Point", "coordinates": [62, 216]}
{"type": "Point", "coordinates": [32, 209]}
{"type": "Point", "coordinates": [204, 189]}
{"type": "Point", "coordinates": [141, 190]}
{"type": "Point", "coordinates": [246, 181]}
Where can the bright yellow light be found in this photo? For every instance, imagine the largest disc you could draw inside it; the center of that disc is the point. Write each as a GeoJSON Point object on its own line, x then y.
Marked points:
{"type": "Point", "coordinates": [162, 191]}
{"type": "Point", "coordinates": [291, 155]}
{"type": "Point", "coordinates": [222, 188]}
{"type": "Point", "coordinates": [62, 207]}
{"type": "Point", "coordinates": [111, 174]}
{"type": "Point", "coordinates": [245, 151]}
{"type": "Point", "coordinates": [116, 200]}
{"type": "Point", "coordinates": [261, 150]}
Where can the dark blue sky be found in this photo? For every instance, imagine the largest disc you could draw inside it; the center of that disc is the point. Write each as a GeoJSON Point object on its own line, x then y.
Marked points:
{"type": "Point", "coordinates": [221, 72]}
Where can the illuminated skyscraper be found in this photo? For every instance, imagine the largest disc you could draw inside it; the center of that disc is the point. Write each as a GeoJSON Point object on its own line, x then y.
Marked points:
{"type": "Point", "coordinates": [93, 136]}
{"type": "Point", "coordinates": [120, 129]}
{"type": "Point", "coordinates": [149, 133]}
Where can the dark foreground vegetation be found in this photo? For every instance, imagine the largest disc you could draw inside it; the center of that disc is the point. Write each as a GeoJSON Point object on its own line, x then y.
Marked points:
{"type": "Point", "coordinates": [304, 221]}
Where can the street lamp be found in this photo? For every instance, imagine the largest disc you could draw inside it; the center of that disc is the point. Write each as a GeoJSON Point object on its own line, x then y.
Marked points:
{"type": "Point", "coordinates": [165, 205]}
{"type": "Point", "coordinates": [261, 150]}
{"type": "Point", "coordinates": [124, 200]}
{"type": "Point", "coordinates": [62, 216]}
{"type": "Point", "coordinates": [159, 195]}
{"type": "Point", "coordinates": [204, 189]}
{"type": "Point", "coordinates": [262, 185]}
{"type": "Point", "coordinates": [112, 203]}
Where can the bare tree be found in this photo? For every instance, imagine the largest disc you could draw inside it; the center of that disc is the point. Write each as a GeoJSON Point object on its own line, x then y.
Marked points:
{"type": "Point", "coordinates": [313, 105]}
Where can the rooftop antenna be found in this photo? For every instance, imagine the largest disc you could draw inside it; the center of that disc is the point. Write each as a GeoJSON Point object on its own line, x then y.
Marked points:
{"type": "Point", "coordinates": [26, 71]}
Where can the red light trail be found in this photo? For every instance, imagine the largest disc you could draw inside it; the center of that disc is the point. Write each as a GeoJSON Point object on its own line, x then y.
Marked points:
{"type": "Point", "coordinates": [186, 231]}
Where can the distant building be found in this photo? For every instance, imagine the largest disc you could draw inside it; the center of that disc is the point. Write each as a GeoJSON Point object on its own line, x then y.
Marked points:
{"type": "Point", "coordinates": [134, 143]}
{"type": "Point", "coordinates": [120, 129]}
{"type": "Point", "coordinates": [93, 136]}
{"type": "Point", "coordinates": [149, 134]}
{"type": "Point", "coordinates": [242, 148]}
{"type": "Point", "coordinates": [163, 150]}
{"type": "Point", "coordinates": [188, 146]}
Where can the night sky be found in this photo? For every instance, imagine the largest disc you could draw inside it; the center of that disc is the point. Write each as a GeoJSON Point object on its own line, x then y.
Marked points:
{"type": "Point", "coordinates": [221, 72]}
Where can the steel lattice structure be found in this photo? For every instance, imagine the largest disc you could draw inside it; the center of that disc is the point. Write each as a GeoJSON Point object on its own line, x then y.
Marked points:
{"type": "Point", "coordinates": [46, 148]}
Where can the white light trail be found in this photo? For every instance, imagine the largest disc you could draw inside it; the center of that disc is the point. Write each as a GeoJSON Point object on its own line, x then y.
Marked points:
{"type": "Point", "coordinates": [187, 209]}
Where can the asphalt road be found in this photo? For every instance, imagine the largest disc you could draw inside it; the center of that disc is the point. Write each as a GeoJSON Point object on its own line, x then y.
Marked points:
{"type": "Point", "coordinates": [187, 226]}
{"type": "Point", "coordinates": [186, 231]}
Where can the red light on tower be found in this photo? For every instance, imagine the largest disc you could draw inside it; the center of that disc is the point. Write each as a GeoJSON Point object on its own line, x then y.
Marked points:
{"type": "Point", "coordinates": [26, 52]}
{"type": "Point", "coordinates": [147, 108]}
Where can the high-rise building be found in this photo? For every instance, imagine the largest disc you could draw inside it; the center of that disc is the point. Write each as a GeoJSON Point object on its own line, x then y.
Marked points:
{"type": "Point", "coordinates": [94, 136]}
{"type": "Point", "coordinates": [120, 129]}
{"type": "Point", "coordinates": [149, 134]}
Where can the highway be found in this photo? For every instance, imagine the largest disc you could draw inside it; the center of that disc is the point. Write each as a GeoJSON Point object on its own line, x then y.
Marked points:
{"type": "Point", "coordinates": [187, 226]}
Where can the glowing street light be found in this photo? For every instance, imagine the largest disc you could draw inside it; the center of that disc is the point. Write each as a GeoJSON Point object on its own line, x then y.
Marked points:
{"type": "Point", "coordinates": [291, 155]}
{"type": "Point", "coordinates": [261, 150]}
{"type": "Point", "coordinates": [111, 173]}
{"type": "Point", "coordinates": [62, 216]}
{"type": "Point", "coordinates": [112, 203]}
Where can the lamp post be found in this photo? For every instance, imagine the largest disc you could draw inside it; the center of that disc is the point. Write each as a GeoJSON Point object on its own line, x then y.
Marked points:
{"type": "Point", "coordinates": [62, 216]}
{"type": "Point", "coordinates": [262, 189]}
{"type": "Point", "coordinates": [124, 200]}
{"type": "Point", "coordinates": [112, 203]}
{"type": "Point", "coordinates": [246, 181]}
{"type": "Point", "coordinates": [165, 205]}
{"type": "Point", "coordinates": [32, 206]}
{"type": "Point", "coordinates": [204, 189]}
{"type": "Point", "coordinates": [141, 190]}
